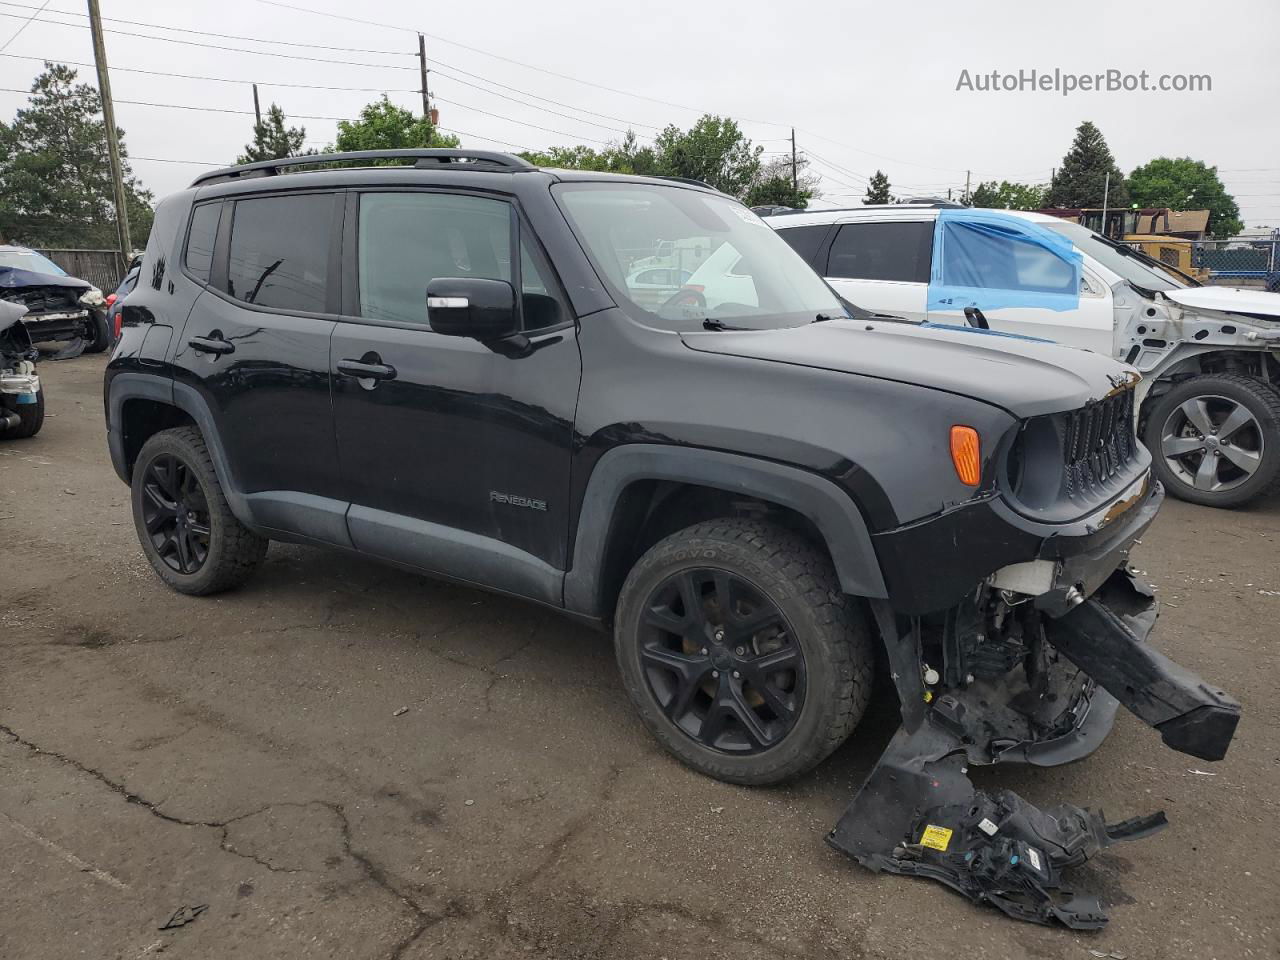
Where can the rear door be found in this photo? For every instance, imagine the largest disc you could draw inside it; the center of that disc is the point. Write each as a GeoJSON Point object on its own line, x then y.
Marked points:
{"type": "Point", "coordinates": [882, 265]}
{"type": "Point", "coordinates": [256, 350]}
{"type": "Point", "coordinates": [457, 461]}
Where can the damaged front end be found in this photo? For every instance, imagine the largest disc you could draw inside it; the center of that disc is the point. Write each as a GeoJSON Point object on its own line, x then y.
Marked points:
{"type": "Point", "coordinates": [1029, 667]}
{"type": "Point", "coordinates": [58, 309]}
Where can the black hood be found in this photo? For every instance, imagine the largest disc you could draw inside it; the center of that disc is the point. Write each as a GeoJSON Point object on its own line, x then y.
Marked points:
{"type": "Point", "coordinates": [1026, 377]}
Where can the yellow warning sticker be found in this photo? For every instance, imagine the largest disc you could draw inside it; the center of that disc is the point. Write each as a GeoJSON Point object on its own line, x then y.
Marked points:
{"type": "Point", "coordinates": [939, 838]}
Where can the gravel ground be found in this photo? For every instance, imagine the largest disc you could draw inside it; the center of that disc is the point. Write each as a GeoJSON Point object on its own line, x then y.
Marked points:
{"type": "Point", "coordinates": [248, 752]}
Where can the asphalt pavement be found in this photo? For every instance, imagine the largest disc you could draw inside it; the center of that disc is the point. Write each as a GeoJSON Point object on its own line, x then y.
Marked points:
{"type": "Point", "coordinates": [344, 760]}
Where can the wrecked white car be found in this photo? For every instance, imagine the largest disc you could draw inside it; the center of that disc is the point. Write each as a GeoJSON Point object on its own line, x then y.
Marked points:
{"type": "Point", "coordinates": [21, 397]}
{"type": "Point", "coordinates": [1210, 356]}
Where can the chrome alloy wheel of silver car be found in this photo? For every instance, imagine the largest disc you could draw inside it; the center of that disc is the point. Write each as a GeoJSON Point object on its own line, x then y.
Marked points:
{"type": "Point", "coordinates": [1212, 443]}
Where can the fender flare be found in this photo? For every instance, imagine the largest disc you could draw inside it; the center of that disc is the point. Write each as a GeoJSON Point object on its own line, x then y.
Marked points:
{"type": "Point", "coordinates": [134, 386]}
{"type": "Point", "coordinates": [831, 510]}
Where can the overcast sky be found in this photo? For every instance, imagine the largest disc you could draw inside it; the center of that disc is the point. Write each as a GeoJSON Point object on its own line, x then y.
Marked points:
{"type": "Point", "coordinates": [866, 85]}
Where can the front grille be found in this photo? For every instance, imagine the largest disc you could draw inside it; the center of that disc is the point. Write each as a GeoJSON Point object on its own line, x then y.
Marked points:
{"type": "Point", "coordinates": [1097, 443]}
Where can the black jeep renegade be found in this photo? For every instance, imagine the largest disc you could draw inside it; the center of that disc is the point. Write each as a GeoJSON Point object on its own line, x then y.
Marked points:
{"type": "Point", "coordinates": [628, 398]}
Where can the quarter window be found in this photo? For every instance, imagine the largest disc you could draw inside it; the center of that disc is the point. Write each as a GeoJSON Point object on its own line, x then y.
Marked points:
{"type": "Point", "coordinates": [280, 252]}
{"type": "Point", "coordinates": [204, 228]}
{"type": "Point", "coordinates": [882, 251]}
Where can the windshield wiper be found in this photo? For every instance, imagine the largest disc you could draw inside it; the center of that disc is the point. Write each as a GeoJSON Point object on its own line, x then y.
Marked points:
{"type": "Point", "coordinates": [709, 324]}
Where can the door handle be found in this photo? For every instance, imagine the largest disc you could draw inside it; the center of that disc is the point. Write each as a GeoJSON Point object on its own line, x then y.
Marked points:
{"type": "Point", "coordinates": [214, 345]}
{"type": "Point", "coordinates": [366, 370]}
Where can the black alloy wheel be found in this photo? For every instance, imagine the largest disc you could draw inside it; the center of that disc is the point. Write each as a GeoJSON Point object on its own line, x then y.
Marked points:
{"type": "Point", "coordinates": [175, 513]}
{"type": "Point", "coordinates": [721, 661]}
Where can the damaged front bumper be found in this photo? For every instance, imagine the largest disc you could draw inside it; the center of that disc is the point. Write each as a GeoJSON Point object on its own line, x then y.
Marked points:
{"type": "Point", "coordinates": [1026, 678]}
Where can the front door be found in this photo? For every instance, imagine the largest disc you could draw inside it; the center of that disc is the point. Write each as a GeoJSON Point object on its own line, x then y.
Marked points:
{"type": "Point", "coordinates": [455, 455]}
{"type": "Point", "coordinates": [1025, 279]}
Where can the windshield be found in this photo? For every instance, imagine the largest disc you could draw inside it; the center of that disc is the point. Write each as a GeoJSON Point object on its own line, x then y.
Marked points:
{"type": "Point", "coordinates": [1118, 258]}
{"type": "Point", "coordinates": [684, 259]}
{"type": "Point", "coordinates": [30, 260]}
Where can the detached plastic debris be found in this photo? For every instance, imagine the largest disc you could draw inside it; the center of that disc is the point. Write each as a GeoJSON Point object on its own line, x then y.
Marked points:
{"type": "Point", "coordinates": [1019, 685]}
{"type": "Point", "coordinates": [918, 814]}
{"type": "Point", "coordinates": [184, 915]}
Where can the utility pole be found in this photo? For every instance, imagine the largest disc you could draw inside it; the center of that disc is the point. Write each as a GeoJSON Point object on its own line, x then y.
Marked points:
{"type": "Point", "coordinates": [113, 144]}
{"type": "Point", "coordinates": [422, 65]}
{"type": "Point", "coordinates": [1106, 193]}
{"type": "Point", "coordinates": [968, 197]}
{"type": "Point", "coordinates": [257, 110]}
{"type": "Point", "coordinates": [795, 174]}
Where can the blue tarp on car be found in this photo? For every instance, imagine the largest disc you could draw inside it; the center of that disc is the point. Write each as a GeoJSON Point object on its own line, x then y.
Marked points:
{"type": "Point", "coordinates": [988, 259]}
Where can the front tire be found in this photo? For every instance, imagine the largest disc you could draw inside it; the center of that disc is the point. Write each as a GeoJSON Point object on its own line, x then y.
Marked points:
{"type": "Point", "coordinates": [1215, 439]}
{"type": "Point", "coordinates": [187, 531]}
{"type": "Point", "coordinates": [740, 652]}
{"type": "Point", "coordinates": [101, 333]}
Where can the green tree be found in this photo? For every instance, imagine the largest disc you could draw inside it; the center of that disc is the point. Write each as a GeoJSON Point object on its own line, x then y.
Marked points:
{"type": "Point", "coordinates": [569, 158]}
{"type": "Point", "coordinates": [1008, 196]}
{"type": "Point", "coordinates": [1081, 180]}
{"type": "Point", "coordinates": [1181, 183]}
{"type": "Point", "coordinates": [878, 189]}
{"type": "Point", "coordinates": [55, 175]}
{"type": "Point", "coordinates": [272, 140]}
{"type": "Point", "coordinates": [775, 186]}
{"type": "Point", "coordinates": [384, 126]}
{"type": "Point", "coordinates": [713, 150]}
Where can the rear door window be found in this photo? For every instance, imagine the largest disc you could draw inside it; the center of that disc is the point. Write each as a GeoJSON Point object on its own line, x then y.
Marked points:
{"type": "Point", "coordinates": [891, 251]}
{"type": "Point", "coordinates": [279, 253]}
{"type": "Point", "coordinates": [806, 241]}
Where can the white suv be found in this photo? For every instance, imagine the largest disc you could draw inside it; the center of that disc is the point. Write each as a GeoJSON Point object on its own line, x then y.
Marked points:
{"type": "Point", "coordinates": [1210, 356]}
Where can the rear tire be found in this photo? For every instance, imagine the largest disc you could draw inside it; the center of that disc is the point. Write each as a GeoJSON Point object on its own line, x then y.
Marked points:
{"type": "Point", "coordinates": [1215, 439]}
{"type": "Point", "coordinates": [732, 699]}
{"type": "Point", "coordinates": [32, 417]}
{"type": "Point", "coordinates": [187, 531]}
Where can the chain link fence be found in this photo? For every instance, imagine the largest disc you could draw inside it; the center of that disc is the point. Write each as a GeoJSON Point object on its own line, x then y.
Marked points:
{"type": "Point", "coordinates": [1240, 262]}
{"type": "Point", "coordinates": [103, 268]}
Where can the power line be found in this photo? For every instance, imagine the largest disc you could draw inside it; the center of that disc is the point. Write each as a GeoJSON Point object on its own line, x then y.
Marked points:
{"type": "Point", "coordinates": [203, 33]}
{"type": "Point", "coordinates": [25, 23]}
{"type": "Point", "coordinates": [193, 76]}
{"type": "Point", "coordinates": [216, 46]}
{"type": "Point", "coordinates": [497, 56]}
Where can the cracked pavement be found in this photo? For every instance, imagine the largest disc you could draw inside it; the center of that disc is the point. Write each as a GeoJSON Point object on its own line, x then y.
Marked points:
{"type": "Point", "coordinates": [159, 751]}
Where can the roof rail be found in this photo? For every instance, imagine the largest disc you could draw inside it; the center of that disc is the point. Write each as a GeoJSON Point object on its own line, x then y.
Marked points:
{"type": "Point", "coordinates": [936, 202]}
{"type": "Point", "coordinates": [438, 157]}
{"type": "Point", "coordinates": [689, 180]}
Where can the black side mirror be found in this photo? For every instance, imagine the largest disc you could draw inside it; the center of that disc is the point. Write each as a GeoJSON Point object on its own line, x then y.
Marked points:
{"type": "Point", "coordinates": [463, 307]}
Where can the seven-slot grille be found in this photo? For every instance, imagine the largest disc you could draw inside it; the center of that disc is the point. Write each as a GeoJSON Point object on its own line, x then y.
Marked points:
{"type": "Point", "coordinates": [1098, 440]}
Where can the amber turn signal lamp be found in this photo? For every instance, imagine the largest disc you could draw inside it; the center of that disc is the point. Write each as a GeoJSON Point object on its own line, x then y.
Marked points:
{"type": "Point", "coordinates": [966, 454]}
